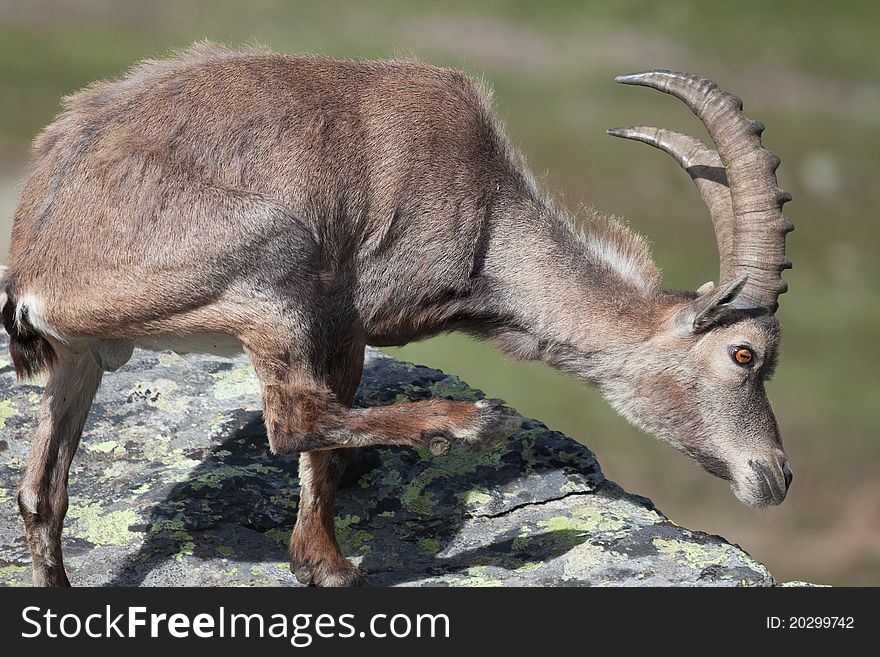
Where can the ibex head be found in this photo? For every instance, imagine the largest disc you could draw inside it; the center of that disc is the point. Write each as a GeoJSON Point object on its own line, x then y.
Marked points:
{"type": "Point", "coordinates": [700, 381]}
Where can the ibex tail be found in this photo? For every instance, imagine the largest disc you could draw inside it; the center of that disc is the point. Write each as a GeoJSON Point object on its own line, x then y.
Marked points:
{"type": "Point", "coordinates": [31, 352]}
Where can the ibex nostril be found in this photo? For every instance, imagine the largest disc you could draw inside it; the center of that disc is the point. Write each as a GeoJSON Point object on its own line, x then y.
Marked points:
{"type": "Point", "coordinates": [787, 473]}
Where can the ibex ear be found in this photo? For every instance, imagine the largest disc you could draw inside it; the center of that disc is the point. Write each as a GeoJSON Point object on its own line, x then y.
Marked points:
{"type": "Point", "coordinates": [711, 306]}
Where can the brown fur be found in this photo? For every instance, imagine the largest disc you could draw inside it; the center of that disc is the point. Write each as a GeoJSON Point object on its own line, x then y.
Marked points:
{"type": "Point", "coordinates": [308, 206]}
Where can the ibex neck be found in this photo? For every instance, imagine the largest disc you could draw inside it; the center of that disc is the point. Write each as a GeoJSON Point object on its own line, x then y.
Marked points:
{"type": "Point", "coordinates": [576, 298]}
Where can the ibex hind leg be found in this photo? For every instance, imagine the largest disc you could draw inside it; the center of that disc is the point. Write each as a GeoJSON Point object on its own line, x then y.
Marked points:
{"type": "Point", "coordinates": [42, 496]}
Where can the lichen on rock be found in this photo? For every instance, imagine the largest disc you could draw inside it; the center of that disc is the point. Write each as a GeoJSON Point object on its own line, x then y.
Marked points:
{"type": "Point", "coordinates": [175, 485]}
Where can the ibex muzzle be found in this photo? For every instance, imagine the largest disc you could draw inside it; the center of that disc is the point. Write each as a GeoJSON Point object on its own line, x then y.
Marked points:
{"type": "Point", "coordinates": [301, 207]}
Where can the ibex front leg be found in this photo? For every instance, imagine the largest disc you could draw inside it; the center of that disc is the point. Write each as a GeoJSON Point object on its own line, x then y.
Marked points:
{"type": "Point", "coordinates": [315, 556]}
{"type": "Point", "coordinates": [305, 413]}
{"type": "Point", "coordinates": [42, 495]}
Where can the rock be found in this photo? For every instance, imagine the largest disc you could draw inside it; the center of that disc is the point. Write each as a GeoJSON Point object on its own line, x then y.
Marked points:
{"type": "Point", "coordinates": [173, 484]}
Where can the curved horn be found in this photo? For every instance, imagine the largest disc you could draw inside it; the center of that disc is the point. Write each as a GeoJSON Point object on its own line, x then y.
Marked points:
{"type": "Point", "coordinates": [759, 227]}
{"type": "Point", "coordinates": [705, 169]}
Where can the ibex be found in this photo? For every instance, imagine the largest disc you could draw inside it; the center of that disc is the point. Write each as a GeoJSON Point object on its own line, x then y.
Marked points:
{"type": "Point", "coordinates": [301, 207]}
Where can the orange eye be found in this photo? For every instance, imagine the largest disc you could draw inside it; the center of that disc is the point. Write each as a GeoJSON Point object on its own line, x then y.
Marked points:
{"type": "Point", "coordinates": [743, 356]}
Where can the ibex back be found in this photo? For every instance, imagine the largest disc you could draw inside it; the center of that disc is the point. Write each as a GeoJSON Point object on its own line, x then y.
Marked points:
{"type": "Point", "coordinates": [301, 207]}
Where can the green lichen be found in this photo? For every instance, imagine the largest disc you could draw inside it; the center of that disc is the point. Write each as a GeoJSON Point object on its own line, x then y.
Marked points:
{"type": "Point", "coordinates": [595, 520]}
{"type": "Point", "coordinates": [561, 539]}
{"type": "Point", "coordinates": [528, 439]}
{"type": "Point", "coordinates": [479, 576]}
{"type": "Point", "coordinates": [475, 497]}
{"type": "Point", "coordinates": [459, 461]}
{"type": "Point", "coordinates": [174, 528]}
{"type": "Point", "coordinates": [449, 387]}
{"type": "Point", "coordinates": [587, 520]}
{"type": "Point", "coordinates": [7, 411]}
{"type": "Point", "coordinates": [560, 523]}
{"type": "Point", "coordinates": [393, 364]}
{"type": "Point", "coordinates": [391, 478]}
{"type": "Point", "coordinates": [166, 400]}
{"type": "Point", "coordinates": [694, 555]}
{"type": "Point", "coordinates": [187, 549]}
{"type": "Point", "coordinates": [587, 558]}
{"type": "Point", "coordinates": [116, 469]}
{"type": "Point", "coordinates": [240, 381]}
{"type": "Point", "coordinates": [104, 447]}
{"type": "Point", "coordinates": [11, 571]}
{"type": "Point", "coordinates": [217, 476]}
{"type": "Point", "coordinates": [529, 567]}
{"type": "Point", "coordinates": [280, 535]}
{"type": "Point", "coordinates": [352, 541]}
{"type": "Point", "coordinates": [155, 447]}
{"type": "Point", "coordinates": [100, 527]}
{"type": "Point", "coordinates": [415, 499]}
{"type": "Point", "coordinates": [224, 550]}
{"type": "Point", "coordinates": [346, 521]}
{"type": "Point", "coordinates": [453, 388]}
{"type": "Point", "coordinates": [520, 543]}
{"type": "Point", "coordinates": [751, 563]}
{"type": "Point", "coordinates": [423, 454]}
{"type": "Point", "coordinates": [430, 546]}
{"type": "Point", "coordinates": [4, 495]}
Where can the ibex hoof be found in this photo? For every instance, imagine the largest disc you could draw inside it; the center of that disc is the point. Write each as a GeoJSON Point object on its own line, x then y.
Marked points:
{"type": "Point", "coordinates": [346, 575]}
{"type": "Point", "coordinates": [303, 573]}
{"type": "Point", "coordinates": [439, 445]}
{"type": "Point", "coordinates": [496, 422]}
{"type": "Point", "coordinates": [328, 573]}
{"type": "Point", "coordinates": [53, 576]}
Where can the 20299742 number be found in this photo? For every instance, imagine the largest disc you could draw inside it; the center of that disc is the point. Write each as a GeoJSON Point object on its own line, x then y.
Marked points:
{"type": "Point", "coordinates": [811, 623]}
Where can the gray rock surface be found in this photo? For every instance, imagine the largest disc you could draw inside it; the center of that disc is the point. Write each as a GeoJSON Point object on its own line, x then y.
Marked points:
{"type": "Point", "coordinates": [173, 484]}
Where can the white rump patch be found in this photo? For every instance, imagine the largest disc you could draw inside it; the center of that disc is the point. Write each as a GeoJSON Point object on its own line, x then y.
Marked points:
{"type": "Point", "coordinates": [29, 306]}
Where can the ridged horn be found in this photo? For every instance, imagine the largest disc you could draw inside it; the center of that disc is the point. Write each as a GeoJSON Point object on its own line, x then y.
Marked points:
{"type": "Point", "coordinates": [757, 225]}
{"type": "Point", "coordinates": [704, 167]}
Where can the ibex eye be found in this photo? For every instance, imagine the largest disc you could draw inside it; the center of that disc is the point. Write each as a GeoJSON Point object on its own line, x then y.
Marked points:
{"type": "Point", "coordinates": [742, 355]}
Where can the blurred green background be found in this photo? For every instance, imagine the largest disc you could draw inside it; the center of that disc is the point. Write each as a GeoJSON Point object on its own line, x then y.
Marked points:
{"type": "Point", "coordinates": [809, 70]}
